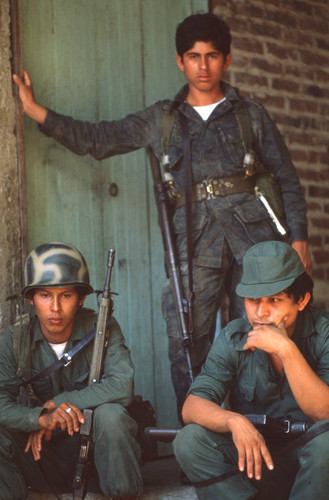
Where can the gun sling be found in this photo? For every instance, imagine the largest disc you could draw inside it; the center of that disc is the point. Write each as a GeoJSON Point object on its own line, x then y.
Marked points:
{"type": "Point", "coordinates": [64, 360]}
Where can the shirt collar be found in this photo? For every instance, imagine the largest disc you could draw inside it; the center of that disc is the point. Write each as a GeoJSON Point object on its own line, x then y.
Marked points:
{"type": "Point", "coordinates": [232, 100]}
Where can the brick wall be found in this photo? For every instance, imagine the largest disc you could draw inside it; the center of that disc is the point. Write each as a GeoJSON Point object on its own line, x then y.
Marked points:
{"type": "Point", "coordinates": [281, 56]}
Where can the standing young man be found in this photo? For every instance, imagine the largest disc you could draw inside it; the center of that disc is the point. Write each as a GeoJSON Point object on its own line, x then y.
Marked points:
{"type": "Point", "coordinates": [40, 441]}
{"type": "Point", "coordinates": [227, 217]}
{"type": "Point", "coordinates": [276, 363]}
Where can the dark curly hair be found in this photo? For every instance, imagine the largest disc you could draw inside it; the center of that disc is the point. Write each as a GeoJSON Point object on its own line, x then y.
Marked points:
{"type": "Point", "coordinates": [204, 28]}
{"type": "Point", "coordinates": [300, 287]}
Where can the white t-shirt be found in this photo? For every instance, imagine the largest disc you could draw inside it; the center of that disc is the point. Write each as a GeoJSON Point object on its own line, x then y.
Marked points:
{"type": "Point", "coordinates": [58, 348]}
{"type": "Point", "coordinates": [205, 111]}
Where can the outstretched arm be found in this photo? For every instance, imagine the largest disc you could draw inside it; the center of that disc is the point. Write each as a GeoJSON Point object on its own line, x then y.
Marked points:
{"type": "Point", "coordinates": [248, 441]}
{"type": "Point", "coordinates": [30, 107]}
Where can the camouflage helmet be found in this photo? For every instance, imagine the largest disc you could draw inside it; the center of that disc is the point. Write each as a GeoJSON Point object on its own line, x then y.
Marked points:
{"type": "Point", "coordinates": [56, 265]}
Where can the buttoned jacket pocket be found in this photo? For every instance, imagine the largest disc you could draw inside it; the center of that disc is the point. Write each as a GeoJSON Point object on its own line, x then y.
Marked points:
{"type": "Point", "coordinates": [256, 221]}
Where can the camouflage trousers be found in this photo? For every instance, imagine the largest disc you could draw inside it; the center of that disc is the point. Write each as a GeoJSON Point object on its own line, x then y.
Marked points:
{"type": "Point", "coordinates": [115, 469]}
{"type": "Point", "coordinates": [210, 286]}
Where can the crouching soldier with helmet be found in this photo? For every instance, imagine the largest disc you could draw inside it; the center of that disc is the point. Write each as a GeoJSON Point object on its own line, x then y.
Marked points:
{"type": "Point", "coordinates": [40, 442]}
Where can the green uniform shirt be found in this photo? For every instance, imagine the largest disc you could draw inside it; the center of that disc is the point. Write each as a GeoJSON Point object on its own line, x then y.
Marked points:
{"type": "Point", "coordinates": [69, 383]}
{"type": "Point", "coordinates": [251, 375]}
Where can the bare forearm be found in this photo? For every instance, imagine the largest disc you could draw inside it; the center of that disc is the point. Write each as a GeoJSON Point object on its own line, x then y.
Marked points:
{"type": "Point", "coordinates": [197, 410]}
{"type": "Point", "coordinates": [248, 441]}
{"type": "Point", "coordinates": [310, 392]}
{"type": "Point", "coordinates": [37, 113]}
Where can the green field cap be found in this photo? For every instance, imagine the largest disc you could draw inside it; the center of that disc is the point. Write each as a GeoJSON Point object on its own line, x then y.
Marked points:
{"type": "Point", "coordinates": [268, 268]}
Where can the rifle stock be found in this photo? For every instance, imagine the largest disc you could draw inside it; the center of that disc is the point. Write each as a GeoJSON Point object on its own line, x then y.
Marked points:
{"type": "Point", "coordinates": [104, 312]}
{"type": "Point", "coordinates": [161, 199]}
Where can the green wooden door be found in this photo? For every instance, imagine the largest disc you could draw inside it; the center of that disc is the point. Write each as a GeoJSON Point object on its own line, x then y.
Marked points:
{"type": "Point", "coordinates": [95, 60]}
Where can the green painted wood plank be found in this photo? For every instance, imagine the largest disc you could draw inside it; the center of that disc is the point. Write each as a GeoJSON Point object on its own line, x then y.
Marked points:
{"type": "Point", "coordinates": [101, 59]}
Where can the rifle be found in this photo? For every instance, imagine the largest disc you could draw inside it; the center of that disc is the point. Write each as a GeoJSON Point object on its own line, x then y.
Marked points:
{"type": "Point", "coordinates": [262, 422]}
{"type": "Point", "coordinates": [182, 311]}
{"type": "Point", "coordinates": [104, 312]}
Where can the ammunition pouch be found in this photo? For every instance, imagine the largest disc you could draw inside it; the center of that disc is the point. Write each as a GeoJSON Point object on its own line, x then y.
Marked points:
{"type": "Point", "coordinates": [269, 186]}
{"type": "Point", "coordinates": [144, 415]}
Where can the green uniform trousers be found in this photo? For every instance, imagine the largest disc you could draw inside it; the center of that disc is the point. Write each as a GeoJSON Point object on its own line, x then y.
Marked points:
{"type": "Point", "coordinates": [300, 474]}
{"type": "Point", "coordinates": [115, 468]}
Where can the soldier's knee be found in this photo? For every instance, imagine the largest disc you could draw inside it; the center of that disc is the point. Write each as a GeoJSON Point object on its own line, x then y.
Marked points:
{"type": "Point", "coordinates": [187, 442]}
{"type": "Point", "coordinates": [316, 452]}
{"type": "Point", "coordinates": [112, 421]}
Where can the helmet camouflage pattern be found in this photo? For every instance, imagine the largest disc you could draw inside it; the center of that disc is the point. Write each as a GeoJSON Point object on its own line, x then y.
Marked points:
{"type": "Point", "coordinates": [56, 265]}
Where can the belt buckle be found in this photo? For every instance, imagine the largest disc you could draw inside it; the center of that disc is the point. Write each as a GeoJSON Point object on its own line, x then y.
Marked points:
{"type": "Point", "coordinates": [208, 184]}
{"type": "Point", "coordinates": [288, 424]}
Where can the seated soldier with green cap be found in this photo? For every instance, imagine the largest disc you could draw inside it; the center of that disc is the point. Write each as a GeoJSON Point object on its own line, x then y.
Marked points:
{"type": "Point", "coordinates": [40, 442]}
{"type": "Point", "coordinates": [275, 367]}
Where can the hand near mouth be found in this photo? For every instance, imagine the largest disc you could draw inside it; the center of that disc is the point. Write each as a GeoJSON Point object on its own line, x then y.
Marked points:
{"type": "Point", "coordinates": [268, 337]}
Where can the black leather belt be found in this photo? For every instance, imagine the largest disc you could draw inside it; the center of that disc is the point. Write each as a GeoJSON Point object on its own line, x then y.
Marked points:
{"type": "Point", "coordinates": [213, 188]}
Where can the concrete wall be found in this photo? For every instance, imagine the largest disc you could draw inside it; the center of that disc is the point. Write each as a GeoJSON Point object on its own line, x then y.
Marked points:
{"type": "Point", "coordinates": [10, 237]}
{"type": "Point", "coordinates": [281, 56]}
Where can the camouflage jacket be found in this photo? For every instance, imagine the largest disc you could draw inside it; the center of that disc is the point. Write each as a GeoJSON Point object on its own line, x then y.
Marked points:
{"type": "Point", "coordinates": [216, 151]}
{"type": "Point", "coordinates": [69, 383]}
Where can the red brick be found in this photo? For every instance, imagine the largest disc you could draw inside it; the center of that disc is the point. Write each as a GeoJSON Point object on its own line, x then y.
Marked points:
{"type": "Point", "coordinates": [273, 101]}
{"type": "Point", "coordinates": [298, 155]}
{"type": "Point", "coordinates": [302, 105]}
{"type": "Point", "coordinates": [319, 223]}
{"type": "Point", "coordinates": [249, 45]}
{"type": "Point", "coordinates": [318, 191]}
{"type": "Point", "coordinates": [315, 240]}
{"type": "Point", "coordinates": [312, 175]}
{"type": "Point", "coordinates": [265, 65]}
{"type": "Point", "coordinates": [266, 29]}
{"type": "Point", "coordinates": [302, 138]}
{"type": "Point", "coordinates": [318, 273]}
{"type": "Point", "coordinates": [282, 18]}
{"type": "Point", "coordinates": [298, 38]}
{"type": "Point", "coordinates": [315, 91]}
{"type": "Point", "coordinates": [314, 24]}
{"type": "Point", "coordinates": [324, 109]}
{"type": "Point", "coordinates": [285, 85]}
{"type": "Point", "coordinates": [284, 119]}
{"type": "Point", "coordinates": [238, 63]}
{"type": "Point", "coordinates": [282, 52]}
{"type": "Point", "coordinates": [313, 58]}
{"type": "Point", "coordinates": [299, 6]}
{"type": "Point", "coordinates": [321, 76]}
{"type": "Point", "coordinates": [249, 79]}
{"type": "Point", "coordinates": [300, 72]}
{"type": "Point", "coordinates": [321, 256]}
{"type": "Point", "coordinates": [322, 44]}
{"type": "Point", "coordinates": [312, 206]}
